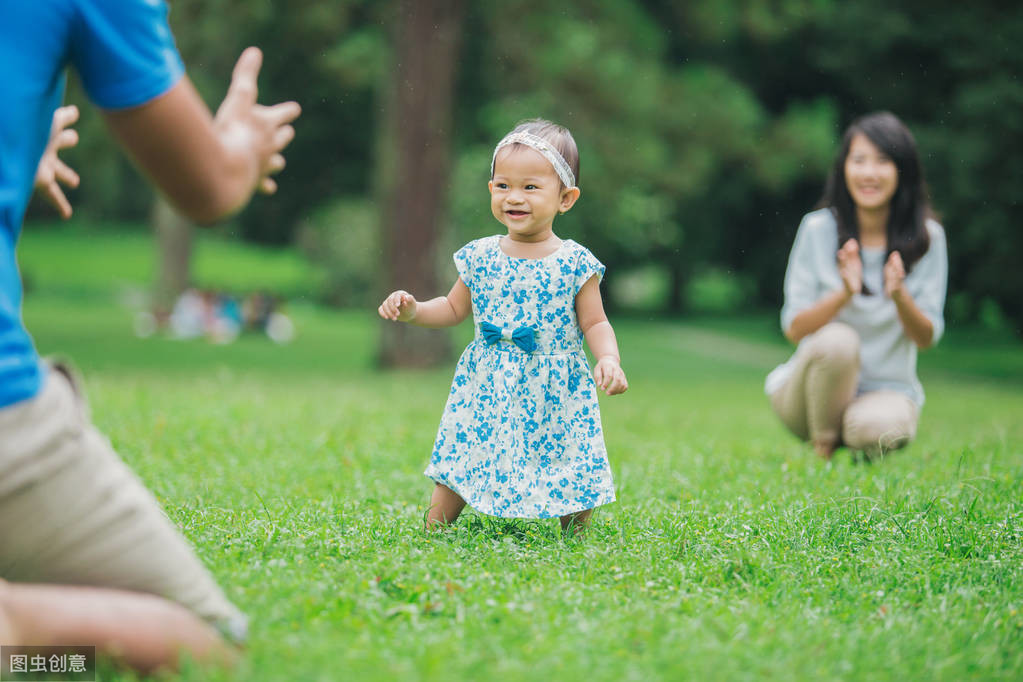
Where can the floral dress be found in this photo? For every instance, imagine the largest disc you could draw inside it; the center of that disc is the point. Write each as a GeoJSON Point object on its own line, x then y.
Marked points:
{"type": "Point", "coordinates": [521, 435]}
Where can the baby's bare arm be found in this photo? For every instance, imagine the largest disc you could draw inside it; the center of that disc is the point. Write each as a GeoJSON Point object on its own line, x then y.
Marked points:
{"type": "Point", "coordinates": [600, 337]}
{"type": "Point", "coordinates": [589, 310]}
{"type": "Point", "coordinates": [443, 311]}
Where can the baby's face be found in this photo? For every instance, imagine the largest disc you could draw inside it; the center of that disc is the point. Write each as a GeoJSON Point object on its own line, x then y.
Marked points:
{"type": "Point", "coordinates": [525, 193]}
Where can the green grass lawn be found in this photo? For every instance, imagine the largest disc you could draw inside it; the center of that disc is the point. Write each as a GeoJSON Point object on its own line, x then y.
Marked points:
{"type": "Point", "coordinates": [732, 552]}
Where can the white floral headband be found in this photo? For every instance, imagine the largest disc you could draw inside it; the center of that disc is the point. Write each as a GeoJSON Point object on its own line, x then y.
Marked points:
{"type": "Point", "coordinates": [541, 145]}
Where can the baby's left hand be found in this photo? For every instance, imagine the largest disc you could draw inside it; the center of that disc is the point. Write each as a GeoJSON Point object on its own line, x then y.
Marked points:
{"type": "Point", "coordinates": [610, 376]}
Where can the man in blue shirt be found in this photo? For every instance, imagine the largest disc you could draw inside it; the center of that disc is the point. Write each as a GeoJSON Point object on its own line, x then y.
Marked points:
{"type": "Point", "coordinates": [70, 511]}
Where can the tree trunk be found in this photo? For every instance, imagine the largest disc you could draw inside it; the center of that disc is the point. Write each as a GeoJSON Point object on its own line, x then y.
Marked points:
{"type": "Point", "coordinates": [174, 245]}
{"type": "Point", "coordinates": [679, 281]}
{"type": "Point", "coordinates": [414, 163]}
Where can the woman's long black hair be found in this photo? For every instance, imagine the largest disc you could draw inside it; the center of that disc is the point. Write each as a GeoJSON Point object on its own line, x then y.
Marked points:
{"type": "Point", "coordinates": [910, 206]}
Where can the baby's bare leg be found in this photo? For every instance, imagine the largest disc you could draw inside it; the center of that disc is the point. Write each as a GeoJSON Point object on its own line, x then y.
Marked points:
{"type": "Point", "coordinates": [445, 506]}
{"type": "Point", "coordinates": [577, 522]}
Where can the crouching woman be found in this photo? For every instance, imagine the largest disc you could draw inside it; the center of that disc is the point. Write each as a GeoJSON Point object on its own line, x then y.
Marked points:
{"type": "Point", "coordinates": [864, 289]}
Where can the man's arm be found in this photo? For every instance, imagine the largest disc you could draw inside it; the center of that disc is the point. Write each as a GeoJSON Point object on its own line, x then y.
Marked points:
{"type": "Point", "coordinates": [209, 167]}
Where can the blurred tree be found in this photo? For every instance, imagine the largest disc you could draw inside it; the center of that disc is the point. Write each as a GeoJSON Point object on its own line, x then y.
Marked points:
{"type": "Point", "coordinates": [705, 127]}
{"type": "Point", "coordinates": [413, 165]}
{"type": "Point", "coordinates": [174, 254]}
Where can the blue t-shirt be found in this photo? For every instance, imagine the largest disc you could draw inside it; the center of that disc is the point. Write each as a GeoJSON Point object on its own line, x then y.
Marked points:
{"type": "Point", "coordinates": [124, 53]}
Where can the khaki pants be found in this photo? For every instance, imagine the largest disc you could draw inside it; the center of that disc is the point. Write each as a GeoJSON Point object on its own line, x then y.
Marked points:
{"type": "Point", "coordinates": [819, 401]}
{"type": "Point", "coordinates": [72, 513]}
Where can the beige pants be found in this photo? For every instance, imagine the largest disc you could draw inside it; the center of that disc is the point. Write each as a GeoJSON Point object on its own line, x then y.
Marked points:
{"type": "Point", "coordinates": [819, 401]}
{"type": "Point", "coordinates": [72, 513]}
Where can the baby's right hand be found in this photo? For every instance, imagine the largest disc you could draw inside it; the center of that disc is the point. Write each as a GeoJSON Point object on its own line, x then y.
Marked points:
{"type": "Point", "coordinates": [399, 307]}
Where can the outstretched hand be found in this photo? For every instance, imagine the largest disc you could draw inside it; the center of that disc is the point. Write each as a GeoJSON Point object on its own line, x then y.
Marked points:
{"type": "Point", "coordinates": [609, 375]}
{"type": "Point", "coordinates": [252, 131]}
{"type": "Point", "coordinates": [850, 267]}
{"type": "Point", "coordinates": [400, 306]}
{"type": "Point", "coordinates": [51, 172]}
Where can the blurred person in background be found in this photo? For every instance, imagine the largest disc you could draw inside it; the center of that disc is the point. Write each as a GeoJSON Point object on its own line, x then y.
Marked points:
{"type": "Point", "coordinates": [864, 289]}
{"type": "Point", "coordinates": [99, 562]}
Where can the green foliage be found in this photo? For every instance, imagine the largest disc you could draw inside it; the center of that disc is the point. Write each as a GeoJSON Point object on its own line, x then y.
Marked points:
{"type": "Point", "coordinates": [646, 288]}
{"type": "Point", "coordinates": [706, 127]}
{"type": "Point", "coordinates": [718, 291]}
{"type": "Point", "coordinates": [344, 239]}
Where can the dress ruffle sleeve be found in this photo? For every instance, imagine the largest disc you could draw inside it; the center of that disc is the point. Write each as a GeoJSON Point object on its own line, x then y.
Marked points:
{"type": "Point", "coordinates": [587, 266]}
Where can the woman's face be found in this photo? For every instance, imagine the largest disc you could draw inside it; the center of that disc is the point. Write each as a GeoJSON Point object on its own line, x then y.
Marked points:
{"type": "Point", "coordinates": [870, 175]}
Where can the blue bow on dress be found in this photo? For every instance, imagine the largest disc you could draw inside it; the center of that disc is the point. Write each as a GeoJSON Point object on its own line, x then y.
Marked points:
{"type": "Point", "coordinates": [523, 337]}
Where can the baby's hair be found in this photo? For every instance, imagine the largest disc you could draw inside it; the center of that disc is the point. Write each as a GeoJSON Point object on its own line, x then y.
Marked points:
{"type": "Point", "coordinates": [558, 136]}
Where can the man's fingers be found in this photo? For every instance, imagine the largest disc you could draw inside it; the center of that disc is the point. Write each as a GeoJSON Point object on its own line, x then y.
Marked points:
{"type": "Point", "coordinates": [283, 136]}
{"type": "Point", "coordinates": [56, 197]}
{"type": "Point", "coordinates": [65, 116]}
{"type": "Point", "coordinates": [267, 186]}
{"type": "Point", "coordinates": [275, 164]}
{"type": "Point", "coordinates": [66, 138]}
{"type": "Point", "coordinates": [65, 174]}
{"type": "Point", "coordinates": [242, 93]}
{"type": "Point", "coordinates": [282, 113]}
